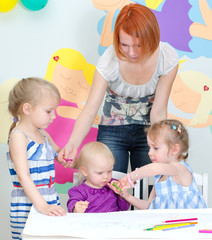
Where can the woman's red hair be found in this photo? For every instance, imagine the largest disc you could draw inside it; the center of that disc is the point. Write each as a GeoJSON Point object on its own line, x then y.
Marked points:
{"type": "Point", "coordinates": [139, 22]}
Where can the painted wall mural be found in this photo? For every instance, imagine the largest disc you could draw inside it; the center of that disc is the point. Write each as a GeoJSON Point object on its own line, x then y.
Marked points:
{"type": "Point", "coordinates": [185, 24]}
{"type": "Point", "coordinates": [73, 76]}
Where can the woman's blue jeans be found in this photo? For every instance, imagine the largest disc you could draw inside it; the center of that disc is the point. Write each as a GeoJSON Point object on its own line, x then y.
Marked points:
{"type": "Point", "coordinates": [127, 143]}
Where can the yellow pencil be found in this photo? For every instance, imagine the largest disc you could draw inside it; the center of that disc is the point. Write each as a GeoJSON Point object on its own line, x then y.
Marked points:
{"type": "Point", "coordinates": [175, 224]}
{"type": "Point", "coordinates": [172, 225]}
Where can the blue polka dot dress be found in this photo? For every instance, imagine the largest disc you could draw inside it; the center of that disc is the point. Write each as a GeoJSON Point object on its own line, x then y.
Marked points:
{"type": "Point", "coordinates": [171, 195]}
{"type": "Point", "coordinates": [41, 165]}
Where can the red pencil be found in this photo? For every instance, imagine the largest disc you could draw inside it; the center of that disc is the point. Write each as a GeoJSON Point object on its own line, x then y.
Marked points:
{"type": "Point", "coordinates": [180, 220]}
{"type": "Point", "coordinates": [205, 231]}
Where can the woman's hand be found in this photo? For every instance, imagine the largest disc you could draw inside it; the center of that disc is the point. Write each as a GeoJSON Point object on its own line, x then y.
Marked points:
{"type": "Point", "coordinates": [68, 153]}
{"type": "Point", "coordinates": [80, 207]}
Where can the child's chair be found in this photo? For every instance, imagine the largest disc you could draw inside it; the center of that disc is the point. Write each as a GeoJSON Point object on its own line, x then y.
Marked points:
{"type": "Point", "coordinates": [116, 175]}
{"type": "Point", "coordinates": [201, 180]}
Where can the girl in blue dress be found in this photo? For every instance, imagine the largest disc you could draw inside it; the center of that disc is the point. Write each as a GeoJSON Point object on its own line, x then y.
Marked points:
{"type": "Point", "coordinates": [175, 187]}
{"type": "Point", "coordinates": [32, 103]}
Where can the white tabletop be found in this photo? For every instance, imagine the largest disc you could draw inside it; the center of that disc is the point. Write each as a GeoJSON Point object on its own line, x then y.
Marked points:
{"type": "Point", "coordinates": [118, 225]}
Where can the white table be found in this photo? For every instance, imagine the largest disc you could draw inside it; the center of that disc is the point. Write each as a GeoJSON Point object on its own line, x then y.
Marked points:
{"type": "Point", "coordinates": [119, 225]}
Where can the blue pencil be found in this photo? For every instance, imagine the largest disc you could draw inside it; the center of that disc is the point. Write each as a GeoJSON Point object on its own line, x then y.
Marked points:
{"type": "Point", "coordinates": [185, 226]}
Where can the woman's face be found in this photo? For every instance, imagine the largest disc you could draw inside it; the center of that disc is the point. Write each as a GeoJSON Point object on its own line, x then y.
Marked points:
{"type": "Point", "coordinates": [130, 47]}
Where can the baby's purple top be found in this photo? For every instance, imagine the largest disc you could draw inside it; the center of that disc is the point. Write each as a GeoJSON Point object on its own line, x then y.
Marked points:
{"type": "Point", "coordinates": [100, 200]}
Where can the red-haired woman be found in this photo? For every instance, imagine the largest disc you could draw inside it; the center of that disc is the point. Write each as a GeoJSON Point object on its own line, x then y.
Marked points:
{"type": "Point", "coordinates": [133, 79]}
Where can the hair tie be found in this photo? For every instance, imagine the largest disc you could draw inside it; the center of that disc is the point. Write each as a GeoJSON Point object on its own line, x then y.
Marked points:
{"type": "Point", "coordinates": [15, 119]}
{"type": "Point", "coordinates": [179, 129]}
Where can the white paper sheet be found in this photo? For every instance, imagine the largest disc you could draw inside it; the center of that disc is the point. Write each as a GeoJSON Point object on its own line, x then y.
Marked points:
{"type": "Point", "coordinates": [118, 225]}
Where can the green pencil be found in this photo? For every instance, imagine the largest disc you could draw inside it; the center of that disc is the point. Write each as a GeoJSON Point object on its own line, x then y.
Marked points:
{"type": "Point", "coordinates": [117, 187]}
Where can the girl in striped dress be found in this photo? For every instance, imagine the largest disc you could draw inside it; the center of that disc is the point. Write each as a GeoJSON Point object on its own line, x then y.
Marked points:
{"type": "Point", "coordinates": [32, 102]}
{"type": "Point", "coordinates": [175, 186]}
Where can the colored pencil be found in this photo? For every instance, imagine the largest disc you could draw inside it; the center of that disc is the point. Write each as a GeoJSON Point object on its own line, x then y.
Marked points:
{"type": "Point", "coordinates": [117, 187]}
{"type": "Point", "coordinates": [162, 227]}
{"type": "Point", "coordinates": [180, 220]}
{"type": "Point", "coordinates": [205, 231]}
{"type": "Point", "coordinates": [175, 224]}
{"type": "Point", "coordinates": [179, 227]}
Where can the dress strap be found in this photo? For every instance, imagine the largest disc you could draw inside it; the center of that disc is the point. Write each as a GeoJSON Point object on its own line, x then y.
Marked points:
{"type": "Point", "coordinates": [40, 129]}
{"type": "Point", "coordinates": [18, 130]}
{"type": "Point", "coordinates": [189, 168]}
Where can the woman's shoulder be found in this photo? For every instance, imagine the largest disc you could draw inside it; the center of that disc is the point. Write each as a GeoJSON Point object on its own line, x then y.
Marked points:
{"type": "Point", "coordinates": [108, 65]}
{"type": "Point", "coordinates": [169, 58]}
{"type": "Point", "coordinates": [166, 48]}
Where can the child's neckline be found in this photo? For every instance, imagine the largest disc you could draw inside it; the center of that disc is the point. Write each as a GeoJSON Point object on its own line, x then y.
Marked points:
{"type": "Point", "coordinates": [92, 186]}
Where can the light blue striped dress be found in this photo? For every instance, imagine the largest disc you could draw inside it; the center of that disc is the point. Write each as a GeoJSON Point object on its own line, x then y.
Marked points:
{"type": "Point", "coordinates": [42, 171]}
{"type": "Point", "coordinates": [171, 195]}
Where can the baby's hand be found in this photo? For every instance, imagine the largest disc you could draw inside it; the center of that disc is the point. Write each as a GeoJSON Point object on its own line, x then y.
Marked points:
{"type": "Point", "coordinates": [115, 186]}
{"type": "Point", "coordinates": [80, 207]}
{"type": "Point", "coordinates": [53, 210]}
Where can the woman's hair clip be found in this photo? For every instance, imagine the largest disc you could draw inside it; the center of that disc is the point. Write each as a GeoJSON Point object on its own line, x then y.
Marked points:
{"type": "Point", "coordinates": [15, 119]}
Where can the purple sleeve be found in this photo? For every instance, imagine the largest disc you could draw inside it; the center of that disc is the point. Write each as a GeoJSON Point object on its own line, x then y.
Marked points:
{"type": "Point", "coordinates": [75, 195]}
{"type": "Point", "coordinates": [123, 204]}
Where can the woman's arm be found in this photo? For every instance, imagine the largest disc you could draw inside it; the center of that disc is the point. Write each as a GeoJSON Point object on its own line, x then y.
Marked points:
{"type": "Point", "coordinates": [86, 117]}
{"type": "Point", "coordinates": [17, 147]}
{"type": "Point", "coordinates": [159, 108]}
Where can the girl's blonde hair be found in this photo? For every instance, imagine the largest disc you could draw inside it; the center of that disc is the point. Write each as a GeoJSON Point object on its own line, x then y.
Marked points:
{"type": "Point", "coordinates": [139, 22]}
{"type": "Point", "coordinates": [175, 133]}
{"type": "Point", "coordinates": [28, 90]}
{"type": "Point", "coordinates": [88, 152]}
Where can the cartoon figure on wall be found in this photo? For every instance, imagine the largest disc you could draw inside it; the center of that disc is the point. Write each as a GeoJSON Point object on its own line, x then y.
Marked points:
{"type": "Point", "coordinates": [166, 12]}
{"type": "Point", "coordinates": [201, 28]}
{"type": "Point", "coordinates": [73, 76]}
{"type": "Point", "coordinates": [106, 24]}
{"type": "Point", "coordinates": [6, 118]}
{"type": "Point", "coordinates": [192, 93]}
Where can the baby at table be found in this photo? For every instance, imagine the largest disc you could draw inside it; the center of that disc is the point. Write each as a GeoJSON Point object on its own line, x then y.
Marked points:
{"type": "Point", "coordinates": [93, 195]}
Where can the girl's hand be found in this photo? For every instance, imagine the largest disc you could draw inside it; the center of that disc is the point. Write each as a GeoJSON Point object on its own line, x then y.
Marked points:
{"type": "Point", "coordinates": [80, 207]}
{"type": "Point", "coordinates": [53, 210]}
{"type": "Point", "coordinates": [68, 163]}
{"type": "Point", "coordinates": [124, 183]}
